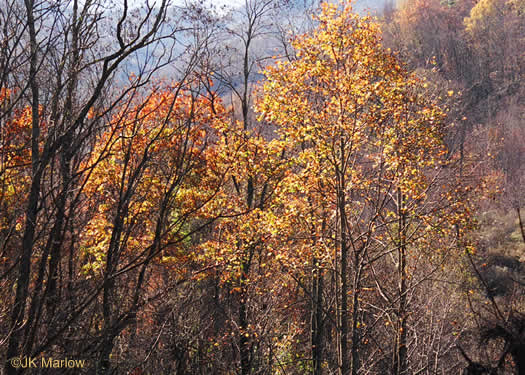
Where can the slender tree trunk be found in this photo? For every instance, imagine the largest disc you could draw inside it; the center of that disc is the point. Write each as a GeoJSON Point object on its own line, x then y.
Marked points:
{"type": "Point", "coordinates": [521, 224]}
{"type": "Point", "coordinates": [317, 318]}
{"type": "Point", "coordinates": [336, 282]}
{"type": "Point", "coordinates": [345, 366]}
{"type": "Point", "coordinates": [109, 297]}
{"type": "Point", "coordinates": [24, 270]}
{"type": "Point", "coordinates": [244, 339]}
{"type": "Point", "coordinates": [355, 314]}
{"type": "Point", "coordinates": [400, 358]}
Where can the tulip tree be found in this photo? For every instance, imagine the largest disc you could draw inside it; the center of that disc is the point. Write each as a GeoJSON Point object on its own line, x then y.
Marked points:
{"type": "Point", "coordinates": [369, 145]}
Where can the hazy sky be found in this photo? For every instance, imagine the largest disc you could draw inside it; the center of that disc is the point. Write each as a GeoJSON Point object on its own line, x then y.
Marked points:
{"type": "Point", "coordinates": [218, 3]}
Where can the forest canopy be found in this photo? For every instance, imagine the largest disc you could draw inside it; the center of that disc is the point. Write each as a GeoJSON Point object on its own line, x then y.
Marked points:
{"type": "Point", "coordinates": [275, 188]}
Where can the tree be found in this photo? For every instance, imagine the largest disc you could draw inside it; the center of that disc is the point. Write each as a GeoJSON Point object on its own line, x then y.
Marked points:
{"type": "Point", "coordinates": [142, 183]}
{"type": "Point", "coordinates": [58, 59]}
{"type": "Point", "coordinates": [499, 24]}
{"type": "Point", "coordinates": [371, 145]}
{"type": "Point", "coordinates": [426, 31]}
{"type": "Point", "coordinates": [240, 245]}
{"type": "Point", "coordinates": [242, 248]}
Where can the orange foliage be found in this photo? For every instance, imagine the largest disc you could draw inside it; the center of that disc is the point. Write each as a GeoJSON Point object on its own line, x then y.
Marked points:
{"type": "Point", "coordinates": [152, 155]}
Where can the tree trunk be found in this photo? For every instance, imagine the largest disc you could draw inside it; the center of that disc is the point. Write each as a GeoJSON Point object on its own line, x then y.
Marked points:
{"type": "Point", "coordinates": [244, 341]}
{"type": "Point", "coordinates": [521, 224]}
{"type": "Point", "coordinates": [344, 366]}
{"type": "Point", "coordinates": [355, 314]}
{"type": "Point", "coordinates": [24, 270]}
{"type": "Point", "coordinates": [317, 318]}
{"type": "Point", "coordinates": [400, 357]}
